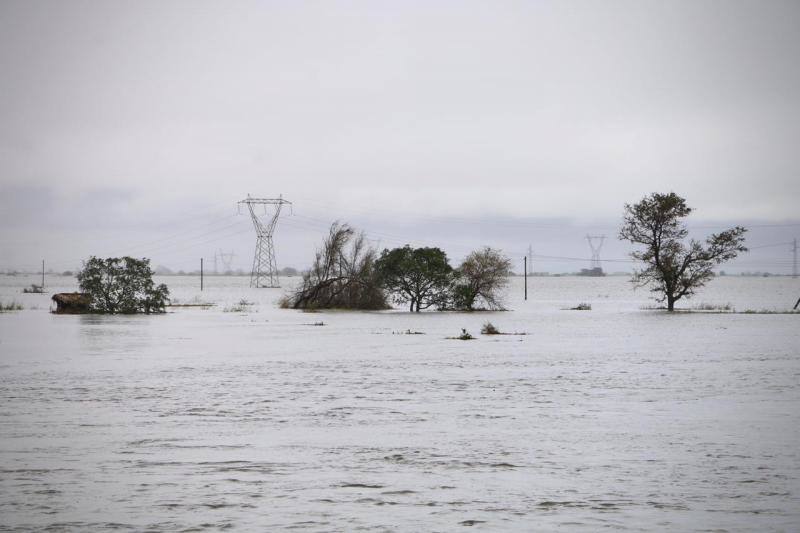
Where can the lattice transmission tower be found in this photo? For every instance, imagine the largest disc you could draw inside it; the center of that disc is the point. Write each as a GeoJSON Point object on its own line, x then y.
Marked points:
{"type": "Point", "coordinates": [225, 259]}
{"type": "Point", "coordinates": [265, 270]}
{"type": "Point", "coordinates": [596, 248]}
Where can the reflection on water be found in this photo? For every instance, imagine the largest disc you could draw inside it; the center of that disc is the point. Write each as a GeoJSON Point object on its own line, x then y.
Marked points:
{"type": "Point", "coordinates": [206, 419]}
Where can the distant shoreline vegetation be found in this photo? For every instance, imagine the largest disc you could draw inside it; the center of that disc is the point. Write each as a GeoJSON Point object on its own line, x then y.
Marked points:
{"type": "Point", "coordinates": [295, 273]}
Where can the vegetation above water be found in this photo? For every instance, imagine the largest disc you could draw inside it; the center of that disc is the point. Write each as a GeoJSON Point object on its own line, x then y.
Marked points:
{"type": "Point", "coordinates": [733, 311]}
{"type": "Point", "coordinates": [420, 277]}
{"type": "Point", "coordinates": [33, 289]}
{"type": "Point", "coordinates": [10, 306]}
{"type": "Point", "coordinates": [239, 307]}
{"type": "Point", "coordinates": [342, 276]}
{"type": "Point", "coordinates": [672, 268]}
{"type": "Point", "coordinates": [348, 274]}
{"type": "Point", "coordinates": [465, 336]}
{"type": "Point", "coordinates": [480, 281]}
{"type": "Point", "coordinates": [489, 329]}
{"type": "Point", "coordinates": [122, 285]}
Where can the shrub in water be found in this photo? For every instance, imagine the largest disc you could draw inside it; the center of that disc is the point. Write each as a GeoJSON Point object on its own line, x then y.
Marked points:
{"type": "Point", "coordinates": [489, 329]}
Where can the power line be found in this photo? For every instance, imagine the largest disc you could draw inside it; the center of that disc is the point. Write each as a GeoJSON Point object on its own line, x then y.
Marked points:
{"type": "Point", "coordinates": [770, 245]}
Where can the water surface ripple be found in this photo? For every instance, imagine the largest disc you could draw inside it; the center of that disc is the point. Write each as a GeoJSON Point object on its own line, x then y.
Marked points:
{"type": "Point", "coordinates": [617, 418]}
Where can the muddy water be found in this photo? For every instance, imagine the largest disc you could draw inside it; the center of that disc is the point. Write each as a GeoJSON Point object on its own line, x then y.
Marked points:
{"type": "Point", "coordinates": [205, 419]}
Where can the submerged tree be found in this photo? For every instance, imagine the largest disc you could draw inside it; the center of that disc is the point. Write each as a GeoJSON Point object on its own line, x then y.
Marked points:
{"type": "Point", "coordinates": [480, 281]}
{"type": "Point", "coordinates": [122, 285]}
{"type": "Point", "coordinates": [420, 276]}
{"type": "Point", "coordinates": [672, 268]}
{"type": "Point", "coordinates": [343, 275]}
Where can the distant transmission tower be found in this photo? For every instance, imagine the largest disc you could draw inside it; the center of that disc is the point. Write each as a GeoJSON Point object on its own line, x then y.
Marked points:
{"type": "Point", "coordinates": [265, 270]}
{"type": "Point", "coordinates": [530, 258]}
{"type": "Point", "coordinates": [226, 260]}
{"type": "Point", "coordinates": [596, 249]}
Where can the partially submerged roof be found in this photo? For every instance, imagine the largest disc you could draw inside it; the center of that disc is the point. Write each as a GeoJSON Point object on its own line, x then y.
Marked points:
{"type": "Point", "coordinates": [72, 298]}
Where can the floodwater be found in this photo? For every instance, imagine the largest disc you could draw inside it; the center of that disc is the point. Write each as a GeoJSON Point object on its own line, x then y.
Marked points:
{"type": "Point", "coordinates": [205, 419]}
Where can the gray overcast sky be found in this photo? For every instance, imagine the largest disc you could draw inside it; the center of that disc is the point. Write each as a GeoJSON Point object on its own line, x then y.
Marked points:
{"type": "Point", "coordinates": [126, 122]}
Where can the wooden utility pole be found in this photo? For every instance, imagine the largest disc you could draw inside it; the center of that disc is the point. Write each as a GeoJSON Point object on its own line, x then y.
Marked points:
{"type": "Point", "coordinates": [43, 271]}
{"type": "Point", "coordinates": [526, 277]}
{"type": "Point", "coordinates": [794, 262]}
{"type": "Point", "coordinates": [201, 273]}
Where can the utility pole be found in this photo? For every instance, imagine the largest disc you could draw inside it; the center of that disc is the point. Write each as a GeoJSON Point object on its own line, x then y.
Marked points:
{"type": "Point", "coordinates": [526, 277]}
{"type": "Point", "coordinates": [265, 269]}
{"type": "Point", "coordinates": [794, 261]}
{"type": "Point", "coordinates": [43, 268]}
{"type": "Point", "coordinates": [201, 273]}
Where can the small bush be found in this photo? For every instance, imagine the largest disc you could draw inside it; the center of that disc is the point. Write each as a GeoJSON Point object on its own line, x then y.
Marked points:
{"type": "Point", "coordinates": [240, 307]}
{"type": "Point", "coordinates": [712, 307]}
{"type": "Point", "coordinates": [408, 332]}
{"type": "Point", "coordinates": [10, 306]}
{"type": "Point", "coordinates": [583, 306]}
{"type": "Point", "coordinates": [770, 312]}
{"type": "Point", "coordinates": [465, 336]}
{"type": "Point", "coordinates": [33, 289]}
{"type": "Point", "coordinates": [490, 329]}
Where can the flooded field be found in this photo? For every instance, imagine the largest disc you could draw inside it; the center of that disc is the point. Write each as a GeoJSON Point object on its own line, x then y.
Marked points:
{"type": "Point", "coordinates": [256, 418]}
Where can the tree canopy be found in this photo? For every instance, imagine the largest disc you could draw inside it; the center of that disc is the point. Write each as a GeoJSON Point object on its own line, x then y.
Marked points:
{"type": "Point", "coordinates": [673, 268]}
{"type": "Point", "coordinates": [122, 285]}
{"type": "Point", "coordinates": [480, 280]}
{"type": "Point", "coordinates": [348, 274]}
{"type": "Point", "coordinates": [420, 276]}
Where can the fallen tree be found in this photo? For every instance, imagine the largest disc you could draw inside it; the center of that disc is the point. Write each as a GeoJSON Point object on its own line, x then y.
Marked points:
{"type": "Point", "coordinates": [343, 275]}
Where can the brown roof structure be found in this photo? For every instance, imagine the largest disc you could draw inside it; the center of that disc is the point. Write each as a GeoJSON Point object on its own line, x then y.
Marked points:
{"type": "Point", "coordinates": [72, 302]}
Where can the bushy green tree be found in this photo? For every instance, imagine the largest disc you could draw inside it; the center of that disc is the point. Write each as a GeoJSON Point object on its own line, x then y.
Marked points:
{"type": "Point", "coordinates": [673, 268]}
{"type": "Point", "coordinates": [122, 285]}
{"type": "Point", "coordinates": [419, 276]}
{"type": "Point", "coordinates": [480, 281]}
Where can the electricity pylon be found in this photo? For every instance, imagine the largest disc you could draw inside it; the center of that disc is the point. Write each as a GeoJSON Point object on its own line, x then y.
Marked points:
{"type": "Point", "coordinates": [596, 249]}
{"type": "Point", "coordinates": [265, 270]}
{"type": "Point", "coordinates": [226, 259]}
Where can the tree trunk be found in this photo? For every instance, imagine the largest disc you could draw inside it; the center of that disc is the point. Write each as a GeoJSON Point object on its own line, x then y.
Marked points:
{"type": "Point", "coordinates": [670, 302]}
